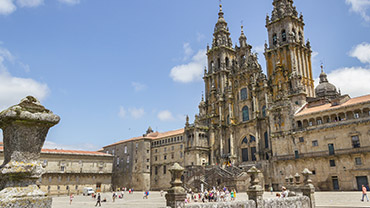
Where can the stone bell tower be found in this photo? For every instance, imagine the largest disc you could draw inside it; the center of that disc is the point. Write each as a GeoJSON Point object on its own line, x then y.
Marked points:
{"type": "Point", "coordinates": [287, 49]}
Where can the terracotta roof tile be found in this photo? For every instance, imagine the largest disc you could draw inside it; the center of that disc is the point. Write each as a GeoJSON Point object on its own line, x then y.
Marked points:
{"type": "Point", "coordinates": [170, 133]}
{"type": "Point", "coordinates": [154, 135]}
{"type": "Point", "coordinates": [69, 152]}
{"type": "Point", "coordinates": [328, 107]}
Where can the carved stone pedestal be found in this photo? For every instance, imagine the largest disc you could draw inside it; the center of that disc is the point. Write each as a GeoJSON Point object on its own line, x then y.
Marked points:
{"type": "Point", "coordinates": [176, 195]}
{"type": "Point", "coordinates": [25, 127]}
{"type": "Point", "coordinates": [255, 190]}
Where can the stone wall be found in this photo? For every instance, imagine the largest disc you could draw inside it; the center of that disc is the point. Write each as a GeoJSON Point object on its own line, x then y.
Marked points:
{"type": "Point", "coordinates": [290, 202]}
{"type": "Point", "coordinates": [163, 156]}
{"type": "Point", "coordinates": [236, 204]}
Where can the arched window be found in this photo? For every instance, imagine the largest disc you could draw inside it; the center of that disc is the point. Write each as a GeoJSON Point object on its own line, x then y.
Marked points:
{"type": "Point", "coordinates": [253, 139]}
{"type": "Point", "coordinates": [228, 120]}
{"type": "Point", "coordinates": [211, 67]}
{"type": "Point", "coordinates": [243, 94]}
{"type": "Point", "coordinates": [245, 111]}
{"type": "Point", "coordinates": [283, 35]}
{"type": "Point", "coordinates": [264, 111]}
{"type": "Point", "coordinates": [245, 140]}
{"type": "Point", "coordinates": [274, 39]}
{"type": "Point", "coordinates": [227, 61]}
{"type": "Point", "coordinates": [218, 63]}
{"type": "Point", "coordinates": [266, 140]}
{"type": "Point", "coordinates": [299, 123]}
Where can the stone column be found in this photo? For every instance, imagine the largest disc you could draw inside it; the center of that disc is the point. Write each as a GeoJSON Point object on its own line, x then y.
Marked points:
{"type": "Point", "coordinates": [255, 190]}
{"type": "Point", "coordinates": [176, 195]}
{"type": "Point", "coordinates": [212, 144]}
{"type": "Point", "coordinates": [308, 188]}
{"type": "Point", "coordinates": [25, 127]}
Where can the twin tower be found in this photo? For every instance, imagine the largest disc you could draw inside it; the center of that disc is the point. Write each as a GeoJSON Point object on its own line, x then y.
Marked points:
{"type": "Point", "coordinates": [243, 108]}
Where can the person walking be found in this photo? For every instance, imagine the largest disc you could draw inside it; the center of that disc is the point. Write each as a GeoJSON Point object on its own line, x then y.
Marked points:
{"type": "Point", "coordinates": [70, 199]}
{"type": "Point", "coordinates": [364, 193]}
{"type": "Point", "coordinates": [98, 200]}
{"type": "Point", "coordinates": [114, 196]}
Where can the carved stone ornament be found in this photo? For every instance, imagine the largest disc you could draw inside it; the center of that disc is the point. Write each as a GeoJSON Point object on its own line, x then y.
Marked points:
{"type": "Point", "coordinates": [25, 127]}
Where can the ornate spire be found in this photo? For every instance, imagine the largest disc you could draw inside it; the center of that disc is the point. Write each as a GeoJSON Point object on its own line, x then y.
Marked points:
{"type": "Point", "coordinates": [242, 38]}
{"type": "Point", "coordinates": [221, 13]}
{"type": "Point", "coordinates": [323, 76]}
{"type": "Point", "coordinates": [221, 33]}
{"type": "Point", "coordinates": [283, 8]}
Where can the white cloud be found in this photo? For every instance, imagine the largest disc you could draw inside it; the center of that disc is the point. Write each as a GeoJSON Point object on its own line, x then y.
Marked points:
{"type": "Point", "coordinates": [26, 67]}
{"type": "Point", "coordinates": [351, 80]}
{"type": "Point", "coordinates": [7, 7]}
{"type": "Point", "coordinates": [122, 112]}
{"type": "Point", "coordinates": [80, 146]}
{"type": "Point", "coordinates": [187, 51]}
{"type": "Point", "coordinates": [360, 7]}
{"type": "Point", "coordinates": [314, 54]}
{"type": "Point", "coordinates": [70, 2]}
{"type": "Point", "coordinates": [165, 115]}
{"type": "Point", "coordinates": [259, 49]}
{"type": "Point", "coordinates": [200, 37]}
{"type": "Point", "coordinates": [5, 53]}
{"type": "Point", "coordinates": [30, 3]}
{"type": "Point", "coordinates": [192, 71]}
{"type": "Point", "coordinates": [361, 52]}
{"type": "Point", "coordinates": [136, 113]}
{"type": "Point", "coordinates": [13, 89]}
{"type": "Point", "coordinates": [138, 86]}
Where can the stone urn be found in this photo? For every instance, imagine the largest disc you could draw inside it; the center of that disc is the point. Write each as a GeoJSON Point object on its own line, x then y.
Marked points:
{"type": "Point", "coordinates": [25, 127]}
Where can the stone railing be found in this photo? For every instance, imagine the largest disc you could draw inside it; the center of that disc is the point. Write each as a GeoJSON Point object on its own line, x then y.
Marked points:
{"type": "Point", "coordinates": [176, 194]}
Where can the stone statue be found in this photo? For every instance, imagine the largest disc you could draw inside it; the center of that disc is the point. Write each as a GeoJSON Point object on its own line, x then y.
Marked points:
{"type": "Point", "coordinates": [25, 127]}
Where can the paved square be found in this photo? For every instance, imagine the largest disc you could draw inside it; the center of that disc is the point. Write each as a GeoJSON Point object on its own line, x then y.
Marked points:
{"type": "Point", "coordinates": [323, 200]}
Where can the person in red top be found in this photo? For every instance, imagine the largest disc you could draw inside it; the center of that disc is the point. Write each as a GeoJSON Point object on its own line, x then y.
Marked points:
{"type": "Point", "coordinates": [364, 193]}
{"type": "Point", "coordinates": [70, 199]}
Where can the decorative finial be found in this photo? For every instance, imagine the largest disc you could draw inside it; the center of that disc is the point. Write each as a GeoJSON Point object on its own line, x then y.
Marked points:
{"type": "Point", "coordinates": [220, 13]}
{"type": "Point", "coordinates": [202, 96]}
{"type": "Point", "coordinates": [322, 67]}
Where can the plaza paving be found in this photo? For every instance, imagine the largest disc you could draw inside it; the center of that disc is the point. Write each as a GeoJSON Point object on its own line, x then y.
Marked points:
{"type": "Point", "coordinates": [323, 200]}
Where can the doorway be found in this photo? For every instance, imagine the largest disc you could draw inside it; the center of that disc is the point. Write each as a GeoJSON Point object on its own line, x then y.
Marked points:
{"type": "Point", "coordinates": [335, 183]}
{"type": "Point", "coordinates": [98, 187]}
{"type": "Point", "coordinates": [361, 180]}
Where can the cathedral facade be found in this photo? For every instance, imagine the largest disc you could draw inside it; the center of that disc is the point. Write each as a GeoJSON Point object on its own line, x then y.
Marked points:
{"type": "Point", "coordinates": [278, 122]}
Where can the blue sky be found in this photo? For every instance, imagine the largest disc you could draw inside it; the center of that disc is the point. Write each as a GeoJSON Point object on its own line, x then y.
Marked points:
{"type": "Point", "coordinates": [110, 69]}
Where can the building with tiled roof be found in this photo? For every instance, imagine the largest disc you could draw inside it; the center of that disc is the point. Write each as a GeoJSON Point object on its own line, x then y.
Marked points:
{"type": "Point", "coordinates": [144, 160]}
{"type": "Point", "coordinates": [69, 171]}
